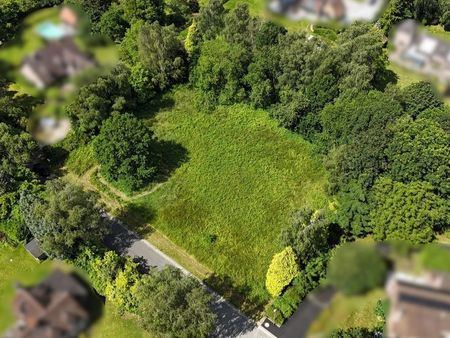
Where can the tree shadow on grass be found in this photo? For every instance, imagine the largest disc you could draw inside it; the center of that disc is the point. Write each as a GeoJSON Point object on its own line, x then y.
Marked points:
{"type": "Point", "coordinates": [137, 218]}
{"type": "Point", "coordinates": [161, 102]}
{"type": "Point", "coordinates": [170, 155]}
{"type": "Point", "coordinates": [239, 295]}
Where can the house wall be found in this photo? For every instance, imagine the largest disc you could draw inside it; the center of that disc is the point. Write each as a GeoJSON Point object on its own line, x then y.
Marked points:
{"type": "Point", "coordinates": [31, 76]}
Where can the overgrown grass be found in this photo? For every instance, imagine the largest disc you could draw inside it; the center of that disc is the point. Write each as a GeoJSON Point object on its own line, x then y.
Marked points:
{"type": "Point", "coordinates": [17, 265]}
{"type": "Point", "coordinates": [227, 203]}
{"type": "Point", "coordinates": [81, 159]}
{"type": "Point", "coordinates": [346, 312]}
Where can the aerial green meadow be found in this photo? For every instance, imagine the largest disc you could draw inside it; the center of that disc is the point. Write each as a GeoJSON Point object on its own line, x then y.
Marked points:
{"type": "Point", "coordinates": [241, 179]}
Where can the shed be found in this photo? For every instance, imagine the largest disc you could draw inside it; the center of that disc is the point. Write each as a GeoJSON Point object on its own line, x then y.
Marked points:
{"type": "Point", "coordinates": [35, 250]}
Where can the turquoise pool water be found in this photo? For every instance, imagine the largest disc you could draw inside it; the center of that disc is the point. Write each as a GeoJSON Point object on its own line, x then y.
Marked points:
{"type": "Point", "coordinates": [50, 31]}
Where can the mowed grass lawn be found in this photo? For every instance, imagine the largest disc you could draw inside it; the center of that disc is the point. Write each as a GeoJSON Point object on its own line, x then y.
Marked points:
{"type": "Point", "coordinates": [227, 203]}
{"type": "Point", "coordinates": [16, 265]}
{"type": "Point", "coordinates": [348, 311]}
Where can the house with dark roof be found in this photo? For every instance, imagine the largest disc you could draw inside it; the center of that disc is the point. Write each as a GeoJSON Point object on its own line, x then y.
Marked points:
{"type": "Point", "coordinates": [419, 306]}
{"type": "Point", "coordinates": [57, 60]}
{"type": "Point", "coordinates": [55, 308]}
{"type": "Point", "coordinates": [420, 51]}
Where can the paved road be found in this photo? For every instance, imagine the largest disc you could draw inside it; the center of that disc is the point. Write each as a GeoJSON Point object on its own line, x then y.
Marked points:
{"type": "Point", "coordinates": [230, 321]}
{"type": "Point", "coordinates": [297, 326]}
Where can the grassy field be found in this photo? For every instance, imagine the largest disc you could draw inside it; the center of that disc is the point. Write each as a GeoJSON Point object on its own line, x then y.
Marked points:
{"type": "Point", "coordinates": [241, 179]}
{"type": "Point", "coordinates": [347, 312]}
{"type": "Point", "coordinates": [17, 265]}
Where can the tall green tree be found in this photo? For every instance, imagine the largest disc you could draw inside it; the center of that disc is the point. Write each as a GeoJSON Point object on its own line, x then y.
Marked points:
{"type": "Point", "coordinates": [112, 23]}
{"type": "Point", "coordinates": [427, 11]}
{"type": "Point", "coordinates": [308, 235]}
{"type": "Point", "coordinates": [411, 211]}
{"type": "Point", "coordinates": [219, 73]}
{"type": "Point", "coordinates": [124, 149]}
{"type": "Point", "coordinates": [420, 151]}
{"type": "Point", "coordinates": [64, 220]}
{"type": "Point", "coordinates": [162, 54]}
{"type": "Point", "coordinates": [210, 20]}
{"type": "Point", "coordinates": [396, 11]}
{"type": "Point", "coordinates": [145, 10]}
{"type": "Point", "coordinates": [155, 56]}
{"type": "Point", "coordinates": [240, 27]}
{"type": "Point", "coordinates": [171, 304]}
{"type": "Point", "coordinates": [419, 96]}
{"type": "Point", "coordinates": [95, 102]}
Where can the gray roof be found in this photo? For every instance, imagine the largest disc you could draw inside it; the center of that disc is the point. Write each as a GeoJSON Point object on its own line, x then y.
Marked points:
{"type": "Point", "coordinates": [34, 249]}
{"type": "Point", "coordinates": [57, 60]}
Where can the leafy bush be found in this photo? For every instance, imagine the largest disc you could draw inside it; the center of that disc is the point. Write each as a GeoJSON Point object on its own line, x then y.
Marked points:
{"type": "Point", "coordinates": [282, 271]}
{"type": "Point", "coordinates": [274, 314]}
{"type": "Point", "coordinates": [356, 268]}
{"type": "Point", "coordinates": [113, 276]}
{"type": "Point", "coordinates": [286, 309]}
{"type": "Point", "coordinates": [382, 308]}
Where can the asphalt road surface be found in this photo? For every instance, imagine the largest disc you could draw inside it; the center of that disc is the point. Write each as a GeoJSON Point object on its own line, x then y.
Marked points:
{"type": "Point", "coordinates": [230, 321]}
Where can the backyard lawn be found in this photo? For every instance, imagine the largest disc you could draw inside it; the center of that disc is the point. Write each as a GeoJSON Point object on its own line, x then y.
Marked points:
{"type": "Point", "coordinates": [17, 265]}
{"type": "Point", "coordinates": [346, 312]}
{"type": "Point", "coordinates": [241, 179]}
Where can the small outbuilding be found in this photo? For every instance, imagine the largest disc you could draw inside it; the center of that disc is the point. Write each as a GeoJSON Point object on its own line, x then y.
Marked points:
{"type": "Point", "coordinates": [35, 250]}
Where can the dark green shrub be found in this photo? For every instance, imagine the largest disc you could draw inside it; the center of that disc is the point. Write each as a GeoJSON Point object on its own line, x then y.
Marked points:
{"type": "Point", "coordinates": [356, 268]}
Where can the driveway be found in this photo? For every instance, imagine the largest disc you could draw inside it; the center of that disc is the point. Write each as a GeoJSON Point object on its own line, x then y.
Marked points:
{"type": "Point", "coordinates": [297, 326]}
{"type": "Point", "coordinates": [230, 321]}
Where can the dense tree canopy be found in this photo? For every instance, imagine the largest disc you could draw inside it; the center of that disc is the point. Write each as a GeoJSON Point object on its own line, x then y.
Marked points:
{"type": "Point", "coordinates": [146, 10]}
{"type": "Point", "coordinates": [95, 102]}
{"type": "Point", "coordinates": [155, 56]}
{"type": "Point", "coordinates": [407, 211]}
{"type": "Point", "coordinates": [309, 235]}
{"type": "Point", "coordinates": [15, 109]}
{"type": "Point", "coordinates": [65, 219]}
{"type": "Point", "coordinates": [348, 118]}
{"type": "Point", "coordinates": [171, 304]}
{"type": "Point", "coordinates": [420, 151]}
{"type": "Point", "coordinates": [112, 23]}
{"type": "Point", "coordinates": [124, 150]}
{"type": "Point", "coordinates": [220, 71]}
{"type": "Point", "coordinates": [420, 96]}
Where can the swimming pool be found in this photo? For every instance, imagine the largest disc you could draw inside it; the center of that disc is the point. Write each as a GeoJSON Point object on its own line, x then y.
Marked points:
{"type": "Point", "coordinates": [50, 31]}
